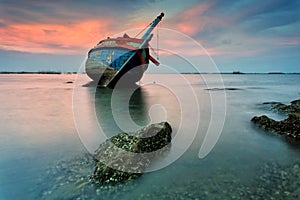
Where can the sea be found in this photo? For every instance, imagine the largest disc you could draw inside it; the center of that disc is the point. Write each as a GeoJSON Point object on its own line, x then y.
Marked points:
{"type": "Point", "coordinates": [52, 123]}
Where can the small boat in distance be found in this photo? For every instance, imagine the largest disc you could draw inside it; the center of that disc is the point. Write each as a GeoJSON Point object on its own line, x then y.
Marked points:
{"type": "Point", "coordinates": [112, 58]}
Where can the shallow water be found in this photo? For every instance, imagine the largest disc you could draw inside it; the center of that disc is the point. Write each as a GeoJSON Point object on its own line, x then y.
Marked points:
{"type": "Point", "coordinates": [39, 142]}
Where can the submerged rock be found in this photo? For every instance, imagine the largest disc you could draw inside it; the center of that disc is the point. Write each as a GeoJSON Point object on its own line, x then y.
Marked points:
{"type": "Point", "coordinates": [126, 156]}
{"type": "Point", "coordinates": [287, 109]}
{"type": "Point", "coordinates": [69, 179]}
{"type": "Point", "coordinates": [289, 127]}
{"type": "Point", "coordinates": [275, 181]}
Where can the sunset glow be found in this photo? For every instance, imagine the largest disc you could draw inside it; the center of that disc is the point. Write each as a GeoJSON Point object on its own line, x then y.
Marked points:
{"type": "Point", "coordinates": [52, 38]}
{"type": "Point", "coordinates": [228, 31]}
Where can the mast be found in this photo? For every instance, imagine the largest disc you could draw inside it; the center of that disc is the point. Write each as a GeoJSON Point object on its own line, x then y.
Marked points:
{"type": "Point", "coordinates": [153, 25]}
{"type": "Point", "coordinates": [146, 38]}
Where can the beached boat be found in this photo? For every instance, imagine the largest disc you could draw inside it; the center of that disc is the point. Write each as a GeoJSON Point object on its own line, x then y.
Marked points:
{"type": "Point", "coordinates": [122, 58]}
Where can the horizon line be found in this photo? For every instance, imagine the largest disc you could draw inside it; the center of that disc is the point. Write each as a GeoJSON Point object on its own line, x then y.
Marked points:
{"type": "Point", "coordinates": [74, 72]}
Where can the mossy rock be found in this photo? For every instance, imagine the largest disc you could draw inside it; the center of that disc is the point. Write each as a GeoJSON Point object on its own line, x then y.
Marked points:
{"type": "Point", "coordinates": [289, 127]}
{"type": "Point", "coordinates": [126, 156]}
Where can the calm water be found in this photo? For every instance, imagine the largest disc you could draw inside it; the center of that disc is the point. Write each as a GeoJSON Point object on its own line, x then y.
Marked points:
{"type": "Point", "coordinates": [38, 134]}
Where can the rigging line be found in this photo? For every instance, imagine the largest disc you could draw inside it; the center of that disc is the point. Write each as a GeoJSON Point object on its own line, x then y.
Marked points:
{"type": "Point", "coordinates": [153, 50]}
{"type": "Point", "coordinates": [143, 29]}
{"type": "Point", "coordinates": [157, 41]}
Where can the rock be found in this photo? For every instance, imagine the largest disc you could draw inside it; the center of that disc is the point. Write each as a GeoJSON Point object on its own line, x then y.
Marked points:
{"type": "Point", "coordinates": [281, 181]}
{"type": "Point", "coordinates": [126, 156]}
{"type": "Point", "coordinates": [264, 122]}
{"type": "Point", "coordinates": [289, 127]}
{"type": "Point", "coordinates": [288, 109]}
{"type": "Point", "coordinates": [296, 194]}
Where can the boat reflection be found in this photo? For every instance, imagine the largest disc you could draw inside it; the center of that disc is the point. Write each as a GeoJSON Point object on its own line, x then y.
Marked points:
{"type": "Point", "coordinates": [130, 109]}
{"type": "Point", "coordinates": [121, 110]}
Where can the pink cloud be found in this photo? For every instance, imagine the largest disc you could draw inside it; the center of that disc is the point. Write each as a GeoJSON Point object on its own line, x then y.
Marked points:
{"type": "Point", "coordinates": [74, 38]}
{"type": "Point", "coordinates": [192, 21]}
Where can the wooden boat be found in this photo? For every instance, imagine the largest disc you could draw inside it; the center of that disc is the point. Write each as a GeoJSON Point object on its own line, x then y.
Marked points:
{"type": "Point", "coordinates": [122, 58]}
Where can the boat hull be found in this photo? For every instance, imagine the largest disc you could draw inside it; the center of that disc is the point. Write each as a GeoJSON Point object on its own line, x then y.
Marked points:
{"type": "Point", "coordinates": [118, 59]}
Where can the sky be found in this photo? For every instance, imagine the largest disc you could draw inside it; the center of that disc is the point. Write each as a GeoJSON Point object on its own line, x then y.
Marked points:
{"type": "Point", "coordinates": [244, 35]}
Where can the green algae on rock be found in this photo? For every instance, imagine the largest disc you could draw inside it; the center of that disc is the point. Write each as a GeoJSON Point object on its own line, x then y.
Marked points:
{"type": "Point", "coordinates": [126, 156]}
{"type": "Point", "coordinates": [288, 109]}
{"type": "Point", "coordinates": [69, 179]}
{"type": "Point", "coordinates": [289, 127]}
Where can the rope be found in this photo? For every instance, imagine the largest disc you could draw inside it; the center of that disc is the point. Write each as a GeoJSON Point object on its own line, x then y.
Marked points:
{"type": "Point", "coordinates": [157, 42]}
{"type": "Point", "coordinates": [153, 50]}
{"type": "Point", "coordinates": [157, 39]}
{"type": "Point", "coordinates": [143, 29]}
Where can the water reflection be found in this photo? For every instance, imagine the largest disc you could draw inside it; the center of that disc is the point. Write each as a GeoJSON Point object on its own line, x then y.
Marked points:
{"type": "Point", "coordinates": [129, 109]}
{"type": "Point", "coordinates": [136, 107]}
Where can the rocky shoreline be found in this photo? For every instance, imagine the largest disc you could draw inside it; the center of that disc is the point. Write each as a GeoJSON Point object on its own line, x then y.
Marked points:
{"type": "Point", "coordinates": [289, 127]}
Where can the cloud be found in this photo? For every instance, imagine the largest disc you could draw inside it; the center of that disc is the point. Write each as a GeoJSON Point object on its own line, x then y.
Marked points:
{"type": "Point", "coordinates": [49, 32]}
{"type": "Point", "coordinates": [229, 29]}
{"type": "Point", "coordinates": [237, 28]}
{"type": "Point", "coordinates": [61, 27]}
{"type": "Point", "coordinates": [55, 39]}
{"type": "Point", "coordinates": [60, 12]}
{"type": "Point", "coordinates": [191, 21]}
{"type": "Point", "coordinates": [244, 27]}
{"type": "Point", "coordinates": [289, 42]}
